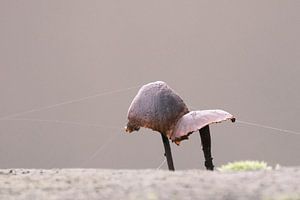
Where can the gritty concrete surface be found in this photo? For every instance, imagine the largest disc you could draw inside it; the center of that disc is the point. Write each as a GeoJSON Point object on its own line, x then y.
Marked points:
{"type": "Point", "coordinates": [92, 184]}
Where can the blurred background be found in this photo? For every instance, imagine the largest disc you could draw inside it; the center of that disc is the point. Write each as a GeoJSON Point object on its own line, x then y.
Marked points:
{"type": "Point", "coordinates": [240, 56]}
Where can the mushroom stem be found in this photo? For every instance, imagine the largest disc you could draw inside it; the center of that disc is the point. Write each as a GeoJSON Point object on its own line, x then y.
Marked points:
{"type": "Point", "coordinates": [206, 147]}
{"type": "Point", "coordinates": [168, 152]}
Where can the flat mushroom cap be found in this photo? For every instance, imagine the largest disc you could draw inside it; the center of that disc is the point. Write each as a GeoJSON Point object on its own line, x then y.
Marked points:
{"type": "Point", "coordinates": [156, 106]}
{"type": "Point", "coordinates": [196, 120]}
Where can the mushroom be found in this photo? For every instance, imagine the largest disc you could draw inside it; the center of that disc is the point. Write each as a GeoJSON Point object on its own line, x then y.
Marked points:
{"type": "Point", "coordinates": [158, 107]}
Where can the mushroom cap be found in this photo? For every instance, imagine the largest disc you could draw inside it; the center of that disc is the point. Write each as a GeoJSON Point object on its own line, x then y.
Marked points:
{"type": "Point", "coordinates": [196, 120]}
{"type": "Point", "coordinates": [156, 106]}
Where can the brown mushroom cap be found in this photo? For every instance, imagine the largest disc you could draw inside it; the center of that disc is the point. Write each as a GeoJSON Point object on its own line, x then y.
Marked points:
{"type": "Point", "coordinates": [156, 106]}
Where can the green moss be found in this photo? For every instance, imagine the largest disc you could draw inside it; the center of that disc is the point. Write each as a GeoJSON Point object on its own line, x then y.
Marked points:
{"type": "Point", "coordinates": [244, 166]}
{"type": "Point", "coordinates": [285, 197]}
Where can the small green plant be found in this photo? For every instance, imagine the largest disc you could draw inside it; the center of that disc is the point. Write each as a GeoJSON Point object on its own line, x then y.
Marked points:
{"type": "Point", "coordinates": [247, 165]}
{"type": "Point", "coordinates": [285, 197]}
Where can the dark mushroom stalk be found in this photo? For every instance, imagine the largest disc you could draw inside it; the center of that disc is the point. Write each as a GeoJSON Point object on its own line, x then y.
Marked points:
{"type": "Point", "coordinates": [158, 107]}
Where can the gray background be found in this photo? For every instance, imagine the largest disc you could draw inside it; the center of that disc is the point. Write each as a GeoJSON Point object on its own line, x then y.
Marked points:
{"type": "Point", "coordinates": [241, 56]}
